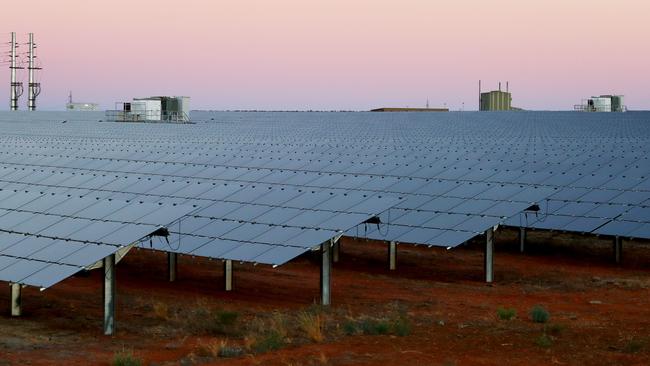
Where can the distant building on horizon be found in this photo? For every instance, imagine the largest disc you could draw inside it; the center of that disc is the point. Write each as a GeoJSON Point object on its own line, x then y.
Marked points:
{"type": "Point", "coordinates": [495, 100]}
{"type": "Point", "coordinates": [407, 109]}
{"type": "Point", "coordinates": [603, 103]}
{"type": "Point", "coordinates": [80, 106]}
{"type": "Point", "coordinates": [151, 109]}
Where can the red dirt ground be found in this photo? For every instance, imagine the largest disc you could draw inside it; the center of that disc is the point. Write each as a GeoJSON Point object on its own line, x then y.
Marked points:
{"type": "Point", "coordinates": [600, 312]}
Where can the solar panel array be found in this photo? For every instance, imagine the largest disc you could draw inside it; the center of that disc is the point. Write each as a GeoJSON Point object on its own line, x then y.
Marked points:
{"type": "Point", "coordinates": [270, 186]}
{"type": "Point", "coordinates": [46, 237]}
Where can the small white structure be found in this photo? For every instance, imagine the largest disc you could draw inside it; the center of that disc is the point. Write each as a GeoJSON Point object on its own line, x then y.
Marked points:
{"type": "Point", "coordinates": [152, 109]}
{"type": "Point", "coordinates": [146, 109]}
{"type": "Point", "coordinates": [603, 103]}
{"type": "Point", "coordinates": [598, 104]}
{"type": "Point", "coordinates": [80, 106]}
{"type": "Point", "coordinates": [84, 107]}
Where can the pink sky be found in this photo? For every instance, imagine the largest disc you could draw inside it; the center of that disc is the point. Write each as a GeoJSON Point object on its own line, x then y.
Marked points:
{"type": "Point", "coordinates": [353, 54]}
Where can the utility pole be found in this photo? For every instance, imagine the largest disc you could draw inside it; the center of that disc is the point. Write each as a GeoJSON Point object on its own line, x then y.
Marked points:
{"type": "Point", "coordinates": [33, 88]}
{"type": "Point", "coordinates": [16, 87]}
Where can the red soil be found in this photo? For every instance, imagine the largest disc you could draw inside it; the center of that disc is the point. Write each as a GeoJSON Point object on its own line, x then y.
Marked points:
{"type": "Point", "coordinates": [600, 311]}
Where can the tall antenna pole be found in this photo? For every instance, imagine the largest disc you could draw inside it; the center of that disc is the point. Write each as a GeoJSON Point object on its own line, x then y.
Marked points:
{"type": "Point", "coordinates": [33, 88]}
{"type": "Point", "coordinates": [16, 87]}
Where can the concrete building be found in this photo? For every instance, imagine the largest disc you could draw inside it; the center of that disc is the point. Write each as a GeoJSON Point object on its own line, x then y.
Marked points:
{"type": "Point", "coordinates": [495, 100]}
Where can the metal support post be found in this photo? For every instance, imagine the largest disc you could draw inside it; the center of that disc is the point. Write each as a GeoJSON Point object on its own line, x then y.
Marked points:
{"type": "Point", "coordinates": [109, 295]}
{"type": "Point", "coordinates": [522, 239]}
{"type": "Point", "coordinates": [172, 265]}
{"type": "Point", "coordinates": [227, 275]}
{"type": "Point", "coordinates": [326, 273]}
{"type": "Point", "coordinates": [16, 299]}
{"type": "Point", "coordinates": [489, 255]}
{"type": "Point", "coordinates": [392, 255]}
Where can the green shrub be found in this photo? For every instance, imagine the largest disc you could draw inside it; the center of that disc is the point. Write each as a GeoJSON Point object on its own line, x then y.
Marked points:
{"type": "Point", "coordinates": [227, 318]}
{"type": "Point", "coordinates": [401, 326]}
{"type": "Point", "coordinates": [350, 328]}
{"type": "Point", "coordinates": [539, 315]}
{"type": "Point", "coordinates": [506, 314]}
{"type": "Point", "coordinates": [126, 358]}
{"type": "Point", "coordinates": [270, 341]}
{"type": "Point", "coordinates": [544, 341]}
{"type": "Point", "coordinates": [221, 322]}
{"type": "Point", "coordinates": [633, 346]}
{"type": "Point", "coordinates": [374, 327]}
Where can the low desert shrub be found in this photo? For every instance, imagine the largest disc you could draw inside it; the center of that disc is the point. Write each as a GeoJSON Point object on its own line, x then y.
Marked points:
{"type": "Point", "coordinates": [401, 326]}
{"type": "Point", "coordinates": [126, 358]}
{"type": "Point", "coordinates": [374, 327]}
{"type": "Point", "coordinates": [544, 341]}
{"type": "Point", "coordinates": [539, 315]}
{"type": "Point", "coordinates": [161, 310]}
{"type": "Point", "coordinates": [506, 314]}
{"type": "Point", "coordinates": [269, 341]}
{"type": "Point", "coordinates": [311, 325]}
{"type": "Point", "coordinates": [633, 346]}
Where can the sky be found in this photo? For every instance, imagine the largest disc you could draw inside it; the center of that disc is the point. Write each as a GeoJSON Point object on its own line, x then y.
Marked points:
{"type": "Point", "coordinates": [334, 54]}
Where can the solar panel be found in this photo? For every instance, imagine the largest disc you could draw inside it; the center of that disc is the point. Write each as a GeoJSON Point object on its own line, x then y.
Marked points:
{"type": "Point", "coordinates": [47, 237]}
{"type": "Point", "coordinates": [288, 180]}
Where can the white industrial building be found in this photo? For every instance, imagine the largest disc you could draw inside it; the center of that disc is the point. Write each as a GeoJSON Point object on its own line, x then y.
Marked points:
{"type": "Point", "coordinates": [603, 103]}
{"type": "Point", "coordinates": [80, 106]}
{"type": "Point", "coordinates": [151, 109]}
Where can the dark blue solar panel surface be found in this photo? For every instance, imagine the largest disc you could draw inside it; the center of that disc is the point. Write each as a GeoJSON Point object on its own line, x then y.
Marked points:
{"type": "Point", "coordinates": [269, 186]}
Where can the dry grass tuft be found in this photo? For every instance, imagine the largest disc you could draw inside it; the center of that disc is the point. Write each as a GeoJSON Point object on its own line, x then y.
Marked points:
{"type": "Point", "coordinates": [311, 325]}
{"type": "Point", "coordinates": [161, 310]}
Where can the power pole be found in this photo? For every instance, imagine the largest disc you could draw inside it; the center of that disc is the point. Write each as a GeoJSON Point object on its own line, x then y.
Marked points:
{"type": "Point", "coordinates": [16, 87]}
{"type": "Point", "coordinates": [33, 88]}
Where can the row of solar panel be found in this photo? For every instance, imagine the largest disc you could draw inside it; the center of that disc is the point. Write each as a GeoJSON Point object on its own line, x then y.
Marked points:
{"type": "Point", "coordinates": [631, 176]}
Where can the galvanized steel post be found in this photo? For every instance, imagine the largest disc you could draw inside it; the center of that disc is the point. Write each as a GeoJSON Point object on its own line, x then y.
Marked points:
{"type": "Point", "coordinates": [489, 255]}
{"type": "Point", "coordinates": [326, 273]}
{"type": "Point", "coordinates": [172, 263]}
{"type": "Point", "coordinates": [16, 299]}
{"type": "Point", "coordinates": [392, 255]}
{"type": "Point", "coordinates": [227, 275]}
{"type": "Point", "coordinates": [109, 295]}
{"type": "Point", "coordinates": [522, 239]}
